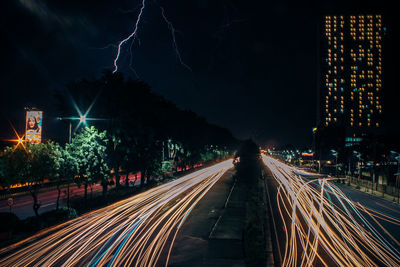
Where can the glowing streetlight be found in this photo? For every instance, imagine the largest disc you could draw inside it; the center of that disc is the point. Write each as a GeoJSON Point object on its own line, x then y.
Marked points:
{"type": "Point", "coordinates": [19, 140]}
{"type": "Point", "coordinates": [82, 119]}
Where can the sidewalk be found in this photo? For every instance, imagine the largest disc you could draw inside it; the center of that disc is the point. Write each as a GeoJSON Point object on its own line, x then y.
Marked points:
{"type": "Point", "coordinates": [367, 189]}
{"type": "Point", "coordinates": [375, 193]}
{"type": "Point", "coordinates": [212, 234]}
{"type": "Point", "coordinates": [273, 239]}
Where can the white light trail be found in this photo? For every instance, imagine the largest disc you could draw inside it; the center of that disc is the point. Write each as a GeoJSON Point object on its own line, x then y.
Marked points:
{"type": "Point", "coordinates": [321, 222]}
{"type": "Point", "coordinates": [131, 232]}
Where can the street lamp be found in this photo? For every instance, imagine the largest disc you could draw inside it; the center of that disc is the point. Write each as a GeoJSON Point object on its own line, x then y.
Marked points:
{"type": "Point", "coordinates": [335, 153]}
{"type": "Point", "coordinates": [314, 146]}
{"type": "Point", "coordinates": [82, 119]}
{"type": "Point", "coordinates": [358, 155]}
{"type": "Point", "coordinates": [19, 140]}
{"type": "Point", "coordinates": [70, 119]}
{"type": "Point", "coordinates": [397, 157]}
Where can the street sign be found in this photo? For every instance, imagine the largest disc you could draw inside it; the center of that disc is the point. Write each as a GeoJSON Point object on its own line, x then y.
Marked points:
{"type": "Point", "coordinates": [10, 201]}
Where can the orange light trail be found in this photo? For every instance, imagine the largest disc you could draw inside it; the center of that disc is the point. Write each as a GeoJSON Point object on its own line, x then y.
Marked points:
{"type": "Point", "coordinates": [323, 225]}
{"type": "Point", "coordinates": [138, 231]}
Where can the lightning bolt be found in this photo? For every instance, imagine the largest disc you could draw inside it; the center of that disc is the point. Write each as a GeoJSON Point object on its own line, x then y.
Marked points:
{"type": "Point", "coordinates": [131, 61]}
{"type": "Point", "coordinates": [130, 36]}
{"type": "Point", "coordinates": [104, 47]}
{"type": "Point", "coordinates": [134, 36]}
{"type": "Point", "coordinates": [174, 43]}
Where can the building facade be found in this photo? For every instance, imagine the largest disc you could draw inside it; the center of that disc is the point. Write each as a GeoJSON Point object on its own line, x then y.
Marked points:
{"type": "Point", "coordinates": [351, 52]}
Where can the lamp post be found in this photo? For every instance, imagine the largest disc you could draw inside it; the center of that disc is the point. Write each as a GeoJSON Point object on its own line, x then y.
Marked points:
{"type": "Point", "coordinates": [335, 153]}
{"type": "Point", "coordinates": [82, 119]}
{"type": "Point", "coordinates": [397, 174]}
{"type": "Point", "coordinates": [70, 119]}
{"type": "Point", "coordinates": [314, 146]}
{"type": "Point", "coordinates": [358, 155]}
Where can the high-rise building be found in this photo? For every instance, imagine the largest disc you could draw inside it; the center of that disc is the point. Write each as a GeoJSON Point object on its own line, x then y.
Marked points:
{"type": "Point", "coordinates": [351, 73]}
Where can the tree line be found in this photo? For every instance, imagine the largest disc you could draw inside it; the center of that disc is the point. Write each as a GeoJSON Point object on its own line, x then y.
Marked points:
{"type": "Point", "coordinates": [133, 130]}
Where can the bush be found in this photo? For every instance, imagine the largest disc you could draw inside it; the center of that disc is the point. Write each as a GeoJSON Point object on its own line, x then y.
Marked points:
{"type": "Point", "coordinates": [9, 222]}
{"type": "Point", "coordinates": [254, 238]}
{"type": "Point", "coordinates": [32, 224]}
{"type": "Point", "coordinates": [68, 213]}
{"type": "Point", "coordinates": [248, 170]}
{"type": "Point", "coordinates": [62, 214]}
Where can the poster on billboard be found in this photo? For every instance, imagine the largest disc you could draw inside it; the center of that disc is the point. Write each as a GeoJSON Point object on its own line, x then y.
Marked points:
{"type": "Point", "coordinates": [33, 129]}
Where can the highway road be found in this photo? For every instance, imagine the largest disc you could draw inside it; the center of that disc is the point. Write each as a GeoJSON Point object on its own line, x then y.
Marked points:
{"type": "Point", "coordinates": [138, 231]}
{"type": "Point", "coordinates": [327, 224]}
{"type": "Point", "coordinates": [47, 197]}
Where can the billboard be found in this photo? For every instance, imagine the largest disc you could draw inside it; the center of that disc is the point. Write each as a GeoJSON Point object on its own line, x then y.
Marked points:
{"type": "Point", "coordinates": [33, 126]}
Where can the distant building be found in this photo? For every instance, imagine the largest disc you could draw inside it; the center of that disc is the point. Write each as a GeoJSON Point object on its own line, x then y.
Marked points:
{"type": "Point", "coordinates": [351, 74]}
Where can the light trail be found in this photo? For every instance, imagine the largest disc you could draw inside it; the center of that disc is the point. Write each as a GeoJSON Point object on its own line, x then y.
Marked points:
{"type": "Point", "coordinates": [323, 225]}
{"type": "Point", "coordinates": [132, 232]}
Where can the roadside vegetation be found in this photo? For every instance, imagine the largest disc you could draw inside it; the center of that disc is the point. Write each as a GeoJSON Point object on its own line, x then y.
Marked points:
{"type": "Point", "coordinates": [133, 132]}
{"type": "Point", "coordinates": [248, 171]}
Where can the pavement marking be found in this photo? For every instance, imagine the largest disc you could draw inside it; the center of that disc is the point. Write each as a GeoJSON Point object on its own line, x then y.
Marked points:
{"type": "Point", "coordinates": [230, 193]}
{"type": "Point", "coordinates": [273, 220]}
{"type": "Point", "coordinates": [382, 205]}
{"type": "Point", "coordinates": [47, 205]}
{"type": "Point", "coordinates": [215, 226]}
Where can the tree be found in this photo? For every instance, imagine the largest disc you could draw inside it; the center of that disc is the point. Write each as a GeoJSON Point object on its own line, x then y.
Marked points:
{"type": "Point", "coordinates": [13, 166]}
{"type": "Point", "coordinates": [116, 152]}
{"type": "Point", "coordinates": [138, 121]}
{"type": "Point", "coordinates": [3, 175]}
{"type": "Point", "coordinates": [30, 164]}
{"type": "Point", "coordinates": [249, 166]}
{"type": "Point", "coordinates": [68, 169]}
{"type": "Point", "coordinates": [89, 148]}
{"type": "Point", "coordinates": [43, 165]}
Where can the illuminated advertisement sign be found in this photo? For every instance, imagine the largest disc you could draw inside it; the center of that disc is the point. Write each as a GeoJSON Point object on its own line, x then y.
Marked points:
{"type": "Point", "coordinates": [33, 128]}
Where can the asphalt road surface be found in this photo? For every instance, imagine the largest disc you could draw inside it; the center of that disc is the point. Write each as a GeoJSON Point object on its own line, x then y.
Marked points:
{"type": "Point", "coordinates": [138, 231]}
{"type": "Point", "coordinates": [320, 222]}
{"type": "Point", "coordinates": [47, 197]}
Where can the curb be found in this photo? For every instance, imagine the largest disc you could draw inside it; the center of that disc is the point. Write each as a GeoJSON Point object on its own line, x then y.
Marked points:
{"type": "Point", "coordinates": [271, 248]}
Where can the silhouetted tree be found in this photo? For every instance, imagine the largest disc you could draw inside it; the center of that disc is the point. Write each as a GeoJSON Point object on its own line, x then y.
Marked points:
{"type": "Point", "coordinates": [139, 121]}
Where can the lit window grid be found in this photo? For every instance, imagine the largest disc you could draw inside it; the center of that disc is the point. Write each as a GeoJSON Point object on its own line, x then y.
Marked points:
{"type": "Point", "coordinates": [364, 52]}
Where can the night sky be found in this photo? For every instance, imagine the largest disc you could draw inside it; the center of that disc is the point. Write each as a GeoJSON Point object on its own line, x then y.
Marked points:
{"type": "Point", "coordinates": [254, 64]}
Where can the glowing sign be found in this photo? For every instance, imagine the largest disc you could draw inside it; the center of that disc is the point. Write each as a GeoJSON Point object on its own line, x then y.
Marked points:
{"type": "Point", "coordinates": [33, 126]}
